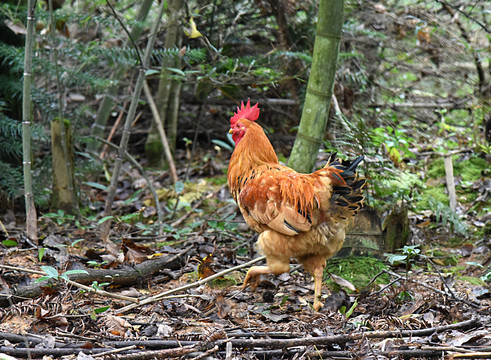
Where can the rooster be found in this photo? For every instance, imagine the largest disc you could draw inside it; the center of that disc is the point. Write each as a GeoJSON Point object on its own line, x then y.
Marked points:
{"type": "Point", "coordinates": [302, 216]}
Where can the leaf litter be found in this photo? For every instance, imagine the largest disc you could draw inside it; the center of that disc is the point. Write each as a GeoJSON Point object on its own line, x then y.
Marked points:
{"type": "Point", "coordinates": [432, 309]}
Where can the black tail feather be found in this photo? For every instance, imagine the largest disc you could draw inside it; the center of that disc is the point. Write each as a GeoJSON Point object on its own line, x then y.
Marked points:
{"type": "Point", "coordinates": [349, 196]}
{"type": "Point", "coordinates": [355, 163]}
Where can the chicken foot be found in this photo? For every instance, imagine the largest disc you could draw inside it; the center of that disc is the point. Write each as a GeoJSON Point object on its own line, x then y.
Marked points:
{"type": "Point", "coordinates": [274, 267]}
{"type": "Point", "coordinates": [254, 275]}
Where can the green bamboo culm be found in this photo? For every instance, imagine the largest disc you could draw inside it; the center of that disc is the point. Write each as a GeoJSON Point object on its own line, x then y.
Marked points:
{"type": "Point", "coordinates": [31, 217]}
{"type": "Point", "coordinates": [320, 85]}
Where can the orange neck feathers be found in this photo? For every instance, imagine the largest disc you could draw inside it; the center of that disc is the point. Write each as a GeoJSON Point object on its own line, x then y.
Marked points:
{"type": "Point", "coordinates": [253, 150]}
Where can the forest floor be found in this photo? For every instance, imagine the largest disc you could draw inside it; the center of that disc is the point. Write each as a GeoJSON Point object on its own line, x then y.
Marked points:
{"type": "Point", "coordinates": [178, 295]}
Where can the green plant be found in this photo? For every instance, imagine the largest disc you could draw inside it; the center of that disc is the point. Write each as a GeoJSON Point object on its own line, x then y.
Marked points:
{"type": "Point", "coordinates": [444, 215]}
{"type": "Point", "coordinates": [407, 257]}
{"type": "Point", "coordinates": [60, 218]}
{"type": "Point", "coordinates": [487, 276]}
{"type": "Point", "coordinates": [52, 274]}
{"type": "Point", "coordinates": [94, 312]}
{"type": "Point", "coordinates": [395, 141]}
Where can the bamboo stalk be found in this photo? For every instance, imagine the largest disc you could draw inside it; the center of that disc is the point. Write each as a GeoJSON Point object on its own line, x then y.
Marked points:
{"type": "Point", "coordinates": [320, 85]}
{"type": "Point", "coordinates": [31, 217]}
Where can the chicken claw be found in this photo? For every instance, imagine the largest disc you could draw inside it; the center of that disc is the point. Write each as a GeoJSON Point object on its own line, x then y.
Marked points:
{"type": "Point", "coordinates": [253, 276]}
{"type": "Point", "coordinates": [318, 305]}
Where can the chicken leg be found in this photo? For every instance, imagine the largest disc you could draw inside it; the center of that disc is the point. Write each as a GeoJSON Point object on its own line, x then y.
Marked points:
{"type": "Point", "coordinates": [315, 264]}
{"type": "Point", "coordinates": [318, 273]}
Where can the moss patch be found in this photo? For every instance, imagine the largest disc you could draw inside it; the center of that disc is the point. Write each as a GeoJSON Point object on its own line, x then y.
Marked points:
{"type": "Point", "coordinates": [437, 193]}
{"type": "Point", "coordinates": [472, 280]}
{"type": "Point", "coordinates": [436, 169]}
{"type": "Point", "coordinates": [469, 169]}
{"type": "Point", "coordinates": [218, 180]}
{"type": "Point", "coordinates": [359, 270]}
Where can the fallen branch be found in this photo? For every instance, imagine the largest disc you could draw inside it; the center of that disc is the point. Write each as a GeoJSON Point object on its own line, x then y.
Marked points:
{"type": "Point", "coordinates": [324, 354]}
{"type": "Point", "coordinates": [125, 277]}
{"type": "Point", "coordinates": [76, 284]}
{"type": "Point", "coordinates": [41, 352]}
{"type": "Point", "coordinates": [188, 286]}
{"type": "Point", "coordinates": [343, 339]}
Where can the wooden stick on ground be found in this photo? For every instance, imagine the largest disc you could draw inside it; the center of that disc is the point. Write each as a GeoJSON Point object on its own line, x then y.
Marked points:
{"type": "Point", "coordinates": [188, 286]}
{"type": "Point", "coordinates": [76, 284]}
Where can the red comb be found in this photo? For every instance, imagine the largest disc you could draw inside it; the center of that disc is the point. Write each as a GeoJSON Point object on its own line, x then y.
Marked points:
{"type": "Point", "coordinates": [245, 112]}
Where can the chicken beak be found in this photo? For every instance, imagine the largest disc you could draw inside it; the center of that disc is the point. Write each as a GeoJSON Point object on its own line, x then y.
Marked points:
{"type": "Point", "coordinates": [230, 131]}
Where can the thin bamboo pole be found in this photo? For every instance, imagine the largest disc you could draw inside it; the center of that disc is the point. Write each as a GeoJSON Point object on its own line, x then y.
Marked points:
{"type": "Point", "coordinates": [31, 217]}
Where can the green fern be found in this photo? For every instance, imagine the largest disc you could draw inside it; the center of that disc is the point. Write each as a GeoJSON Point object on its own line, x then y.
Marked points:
{"type": "Point", "coordinates": [445, 215]}
{"type": "Point", "coordinates": [11, 181]}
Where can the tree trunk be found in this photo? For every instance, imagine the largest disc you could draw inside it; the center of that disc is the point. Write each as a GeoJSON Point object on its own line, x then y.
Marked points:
{"type": "Point", "coordinates": [320, 85]}
{"type": "Point", "coordinates": [168, 92]}
{"type": "Point", "coordinates": [63, 196]}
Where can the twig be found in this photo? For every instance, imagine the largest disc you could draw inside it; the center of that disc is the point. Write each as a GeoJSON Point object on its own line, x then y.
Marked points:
{"type": "Point", "coordinates": [473, 355]}
{"type": "Point", "coordinates": [76, 284]}
{"type": "Point", "coordinates": [135, 163]}
{"type": "Point", "coordinates": [456, 8]}
{"type": "Point", "coordinates": [161, 354]}
{"type": "Point", "coordinates": [207, 352]}
{"type": "Point", "coordinates": [448, 287]}
{"type": "Point", "coordinates": [113, 130]}
{"type": "Point", "coordinates": [470, 303]}
{"type": "Point", "coordinates": [188, 286]}
{"type": "Point", "coordinates": [115, 351]}
{"type": "Point", "coordinates": [422, 105]}
{"type": "Point", "coordinates": [160, 127]}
